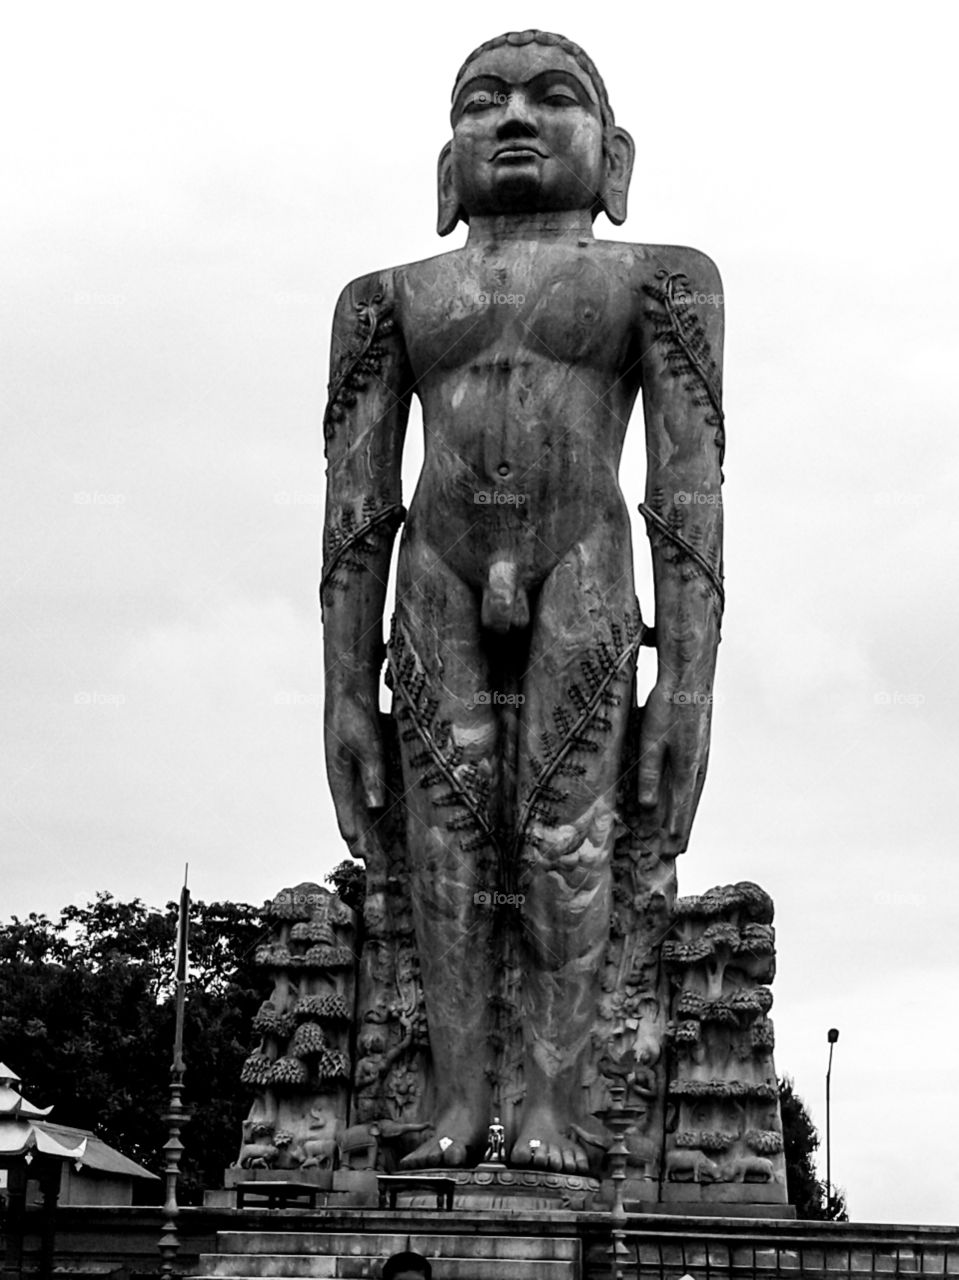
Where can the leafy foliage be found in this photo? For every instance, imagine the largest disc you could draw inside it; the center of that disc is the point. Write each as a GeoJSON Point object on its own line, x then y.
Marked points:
{"type": "Point", "coordinates": [348, 879]}
{"type": "Point", "coordinates": [87, 1020]}
{"type": "Point", "coordinates": [806, 1191]}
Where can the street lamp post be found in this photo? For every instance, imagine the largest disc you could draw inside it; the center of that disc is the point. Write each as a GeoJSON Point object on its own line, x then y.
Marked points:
{"type": "Point", "coordinates": [832, 1035]}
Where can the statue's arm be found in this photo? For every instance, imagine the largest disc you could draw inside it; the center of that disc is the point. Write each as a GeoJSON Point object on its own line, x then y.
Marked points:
{"type": "Point", "coordinates": [364, 427]}
{"type": "Point", "coordinates": [682, 342]}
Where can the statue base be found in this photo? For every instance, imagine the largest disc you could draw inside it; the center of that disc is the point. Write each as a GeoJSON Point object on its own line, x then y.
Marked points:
{"type": "Point", "coordinates": [322, 1179]}
{"type": "Point", "coordinates": [724, 1194]}
{"type": "Point", "coordinates": [493, 1186]}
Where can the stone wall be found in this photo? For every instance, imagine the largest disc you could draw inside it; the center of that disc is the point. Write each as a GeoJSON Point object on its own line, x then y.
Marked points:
{"type": "Point", "coordinates": [98, 1241]}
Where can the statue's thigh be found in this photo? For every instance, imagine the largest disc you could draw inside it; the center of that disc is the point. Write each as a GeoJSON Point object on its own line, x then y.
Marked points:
{"type": "Point", "coordinates": [578, 691]}
{"type": "Point", "coordinates": [437, 624]}
{"type": "Point", "coordinates": [440, 680]}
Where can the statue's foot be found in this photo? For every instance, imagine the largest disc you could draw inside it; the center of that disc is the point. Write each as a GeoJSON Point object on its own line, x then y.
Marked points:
{"type": "Point", "coordinates": [452, 1134]}
{"type": "Point", "coordinates": [545, 1143]}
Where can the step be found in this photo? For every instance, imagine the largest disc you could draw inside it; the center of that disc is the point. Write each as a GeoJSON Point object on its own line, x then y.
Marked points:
{"type": "Point", "coordinates": [259, 1266]}
{"type": "Point", "coordinates": [381, 1244]}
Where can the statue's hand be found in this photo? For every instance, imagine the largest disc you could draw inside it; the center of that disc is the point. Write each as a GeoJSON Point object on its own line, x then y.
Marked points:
{"type": "Point", "coordinates": [355, 759]}
{"type": "Point", "coordinates": [674, 749]}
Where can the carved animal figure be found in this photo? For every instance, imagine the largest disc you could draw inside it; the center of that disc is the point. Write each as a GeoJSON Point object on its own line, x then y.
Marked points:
{"type": "Point", "coordinates": [641, 1151]}
{"type": "Point", "coordinates": [750, 1169]}
{"type": "Point", "coordinates": [258, 1150]}
{"type": "Point", "coordinates": [685, 1165]}
{"type": "Point", "coordinates": [359, 1146]}
{"type": "Point", "coordinates": [318, 1151]}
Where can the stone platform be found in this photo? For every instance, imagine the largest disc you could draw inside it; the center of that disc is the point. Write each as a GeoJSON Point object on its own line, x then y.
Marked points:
{"type": "Point", "coordinates": [550, 1245]}
{"type": "Point", "coordinates": [251, 1255]}
{"type": "Point", "coordinates": [99, 1241]}
{"type": "Point", "coordinates": [509, 1190]}
{"type": "Point", "coordinates": [555, 1244]}
{"type": "Point", "coordinates": [497, 1189]}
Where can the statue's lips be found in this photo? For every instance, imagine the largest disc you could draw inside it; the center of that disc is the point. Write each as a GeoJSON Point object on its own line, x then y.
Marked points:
{"type": "Point", "coordinates": [519, 153]}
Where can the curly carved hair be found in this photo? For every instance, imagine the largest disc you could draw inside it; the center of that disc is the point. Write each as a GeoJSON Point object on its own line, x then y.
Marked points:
{"type": "Point", "coordinates": [579, 56]}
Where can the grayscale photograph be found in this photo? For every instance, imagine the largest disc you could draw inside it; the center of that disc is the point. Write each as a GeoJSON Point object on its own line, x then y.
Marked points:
{"type": "Point", "coordinates": [478, 616]}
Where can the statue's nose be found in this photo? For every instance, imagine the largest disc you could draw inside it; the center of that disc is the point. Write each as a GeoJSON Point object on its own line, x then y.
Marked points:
{"type": "Point", "coordinates": [518, 119]}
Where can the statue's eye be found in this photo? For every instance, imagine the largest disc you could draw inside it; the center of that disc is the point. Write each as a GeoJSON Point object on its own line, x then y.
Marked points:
{"type": "Point", "coordinates": [478, 101]}
{"type": "Point", "coordinates": [559, 96]}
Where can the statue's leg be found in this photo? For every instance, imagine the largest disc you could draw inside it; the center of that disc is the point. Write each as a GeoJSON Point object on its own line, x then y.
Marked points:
{"type": "Point", "coordinates": [448, 741]}
{"type": "Point", "coordinates": [578, 689]}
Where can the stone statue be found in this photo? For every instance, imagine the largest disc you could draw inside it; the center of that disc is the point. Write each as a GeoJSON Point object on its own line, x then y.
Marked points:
{"type": "Point", "coordinates": [495, 1143]}
{"type": "Point", "coordinates": [522, 756]}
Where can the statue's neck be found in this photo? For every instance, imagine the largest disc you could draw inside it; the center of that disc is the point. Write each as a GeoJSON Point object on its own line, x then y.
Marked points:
{"type": "Point", "coordinates": [563, 224]}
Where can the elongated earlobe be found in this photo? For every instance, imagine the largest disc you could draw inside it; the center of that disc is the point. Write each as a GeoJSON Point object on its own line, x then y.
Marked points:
{"type": "Point", "coordinates": [449, 212]}
{"type": "Point", "coordinates": [619, 152]}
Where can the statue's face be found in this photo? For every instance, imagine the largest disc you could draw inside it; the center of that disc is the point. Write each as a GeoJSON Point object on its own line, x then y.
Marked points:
{"type": "Point", "coordinates": [527, 133]}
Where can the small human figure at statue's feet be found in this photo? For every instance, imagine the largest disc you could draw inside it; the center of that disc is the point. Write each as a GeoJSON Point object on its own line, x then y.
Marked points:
{"type": "Point", "coordinates": [495, 1143]}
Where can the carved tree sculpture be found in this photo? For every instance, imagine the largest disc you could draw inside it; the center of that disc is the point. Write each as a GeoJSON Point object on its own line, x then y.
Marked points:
{"type": "Point", "coordinates": [724, 1092]}
{"type": "Point", "coordinates": [301, 1068]}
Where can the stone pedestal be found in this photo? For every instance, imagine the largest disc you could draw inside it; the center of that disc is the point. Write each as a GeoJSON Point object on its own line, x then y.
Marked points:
{"type": "Point", "coordinates": [504, 1190]}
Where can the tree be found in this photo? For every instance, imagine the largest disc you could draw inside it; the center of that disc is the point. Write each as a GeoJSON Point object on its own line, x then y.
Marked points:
{"type": "Point", "coordinates": [806, 1191]}
{"type": "Point", "coordinates": [348, 878]}
{"type": "Point", "coordinates": [87, 1019]}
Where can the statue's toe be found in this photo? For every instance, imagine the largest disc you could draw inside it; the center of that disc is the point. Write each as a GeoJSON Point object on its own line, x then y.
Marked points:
{"type": "Point", "coordinates": [426, 1154]}
{"type": "Point", "coordinates": [436, 1151]}
{"type": "Point", "coordinates": [455, 1155]}
{"type": "Point", "coordinates": [521, 1155]}
{"type": "Point", "coordinates": [575, 1159]}
{"type": "Point", "coordinates": [561, 1155]}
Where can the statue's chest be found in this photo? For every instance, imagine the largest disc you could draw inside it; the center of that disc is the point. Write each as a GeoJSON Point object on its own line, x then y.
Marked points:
{"type": "Point", "coordinates": [568, 309]}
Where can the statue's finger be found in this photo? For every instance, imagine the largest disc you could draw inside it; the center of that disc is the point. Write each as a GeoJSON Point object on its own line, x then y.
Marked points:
{"type": "Point", "coordinates": [650, 774]}
{"type": "Point", "coordinates": [682, 804]}
{"type": "Point", "coordinates": [344, 803]}
{"type": "Point", "coordinates": [373, 786]}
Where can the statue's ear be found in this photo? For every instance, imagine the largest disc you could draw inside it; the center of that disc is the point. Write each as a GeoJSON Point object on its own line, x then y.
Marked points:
{"type": "Point", "coordinates": [619, 151]}
{"type": "Point", "coordinates": [449, 212]}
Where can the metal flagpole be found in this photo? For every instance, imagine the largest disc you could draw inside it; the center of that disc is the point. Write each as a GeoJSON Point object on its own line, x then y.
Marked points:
{"type": "Point", "coordinates": [176, 1117]}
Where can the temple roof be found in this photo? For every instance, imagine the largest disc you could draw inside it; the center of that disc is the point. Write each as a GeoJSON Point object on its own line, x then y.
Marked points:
{"type": "Point", "coordinates": [23, 1130]}
{"type": "Point", "coordinates": [99, 1154]}
{"type": "Point", "coordinates": [20, 1137]}
{"type": "Point", "coordinates": [12, 1102]}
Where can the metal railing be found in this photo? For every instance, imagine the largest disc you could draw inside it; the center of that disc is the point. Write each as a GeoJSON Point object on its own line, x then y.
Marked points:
{"type": "Point", "coordinates": [655, 1256]}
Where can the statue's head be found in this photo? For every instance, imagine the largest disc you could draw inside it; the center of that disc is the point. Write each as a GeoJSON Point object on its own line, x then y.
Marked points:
{"type": "Point", "coordinates": [533, 132]}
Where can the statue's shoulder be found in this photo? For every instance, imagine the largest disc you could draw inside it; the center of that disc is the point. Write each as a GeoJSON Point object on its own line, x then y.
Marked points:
{"type": "Point", "coordinates": [690, 270]}
{"type": "Point", "coordinates": [375, 289]}
{"type": "Point", "coordinates": [427, 271]}
{"type": "Point", "coordinates": [383, 289]}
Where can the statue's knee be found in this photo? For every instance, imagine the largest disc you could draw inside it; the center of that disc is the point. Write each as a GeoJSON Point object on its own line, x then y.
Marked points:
{"type": "Point", "coordinates": [552, 868]}
{"type": "Point", "coordinates": [576, 854]}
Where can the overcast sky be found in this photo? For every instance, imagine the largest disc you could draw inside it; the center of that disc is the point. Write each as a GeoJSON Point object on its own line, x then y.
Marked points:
{"type": "Point", "coordinates": [186, 189]}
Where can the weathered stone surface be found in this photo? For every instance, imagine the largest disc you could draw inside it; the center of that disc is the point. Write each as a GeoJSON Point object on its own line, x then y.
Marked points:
{"type": "Point", "coordinates": [96, 1240]}
{"type": "Point", "coordinates": [453, 1256]}
{"type": "Point", "coordinates": [520, 815]}
{"type": "Point", "coordinates": [301, 1068]}
{"type": "Point", "coordinates": [495, 1189]}
{"type": "Point", "coordinates": [724, 1142]}
{"type": "Point", "coordinates": [381, 1243]}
